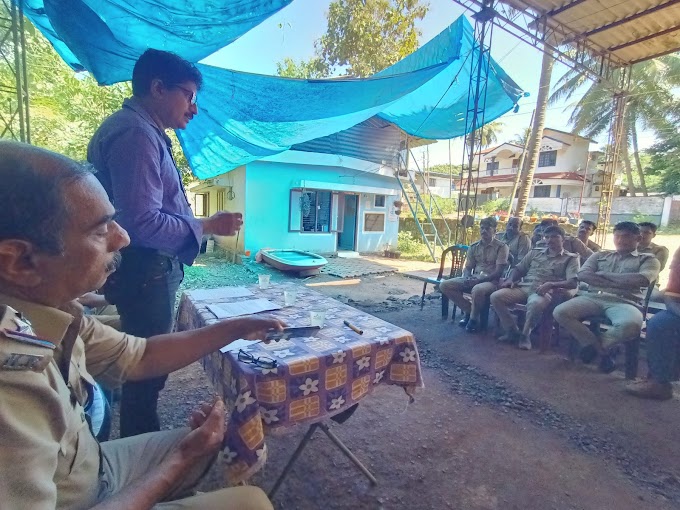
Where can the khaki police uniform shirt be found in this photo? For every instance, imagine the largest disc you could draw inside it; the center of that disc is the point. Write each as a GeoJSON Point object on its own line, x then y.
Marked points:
{"type": "Point", "coordinates": [593, 246]}
{"type": "Point", "coordinates": [539, 267]}
{"type": "Point", "coordinates": [484, 258]}
{"type": "Point", "coordinates": [614, 262]}
{"type": "Point", "coordinates": [660, 252]}
{"type": "Point", "coordinates": [575, 245]}
{"type": "Point", "coordinates": [519, 245]}
{"type": "Point", "coordinates": [48, 456]}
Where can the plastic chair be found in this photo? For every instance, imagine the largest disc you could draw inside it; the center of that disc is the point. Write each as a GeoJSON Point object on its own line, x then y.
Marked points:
{"type": "Point", "coordinates": [458, 253]}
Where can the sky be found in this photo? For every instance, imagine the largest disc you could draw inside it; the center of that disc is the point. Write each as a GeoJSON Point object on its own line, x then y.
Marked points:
{"type": "Point", "coordinates": [292, 31]}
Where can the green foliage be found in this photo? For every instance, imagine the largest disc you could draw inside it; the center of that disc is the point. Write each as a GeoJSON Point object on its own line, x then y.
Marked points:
{"type": "Point", "coordinates": [408, 245]}
{"type": "Point", "coordinates": [443, 168]}
{"type": "Point", "coordinates": [500, 204]}
{"type": "Point", "coordinates": [490, 133]}
{"type": "Point", "coordinates": [652, 103]}
{"type": "Point", "coordinates": [446, 205]}
{"type": "Point", "coordinates": [67, 107]}
{"type": "Point", "coordinates": [313, 68]}
{"type": "Point", "coordinates": [664, 163]}
{"type": "Point", "coordinates": [362, 38]}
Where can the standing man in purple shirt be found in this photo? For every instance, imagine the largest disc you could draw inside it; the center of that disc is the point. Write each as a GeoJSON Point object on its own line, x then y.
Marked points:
{"type": "Point", "coordinates": [133, 158]}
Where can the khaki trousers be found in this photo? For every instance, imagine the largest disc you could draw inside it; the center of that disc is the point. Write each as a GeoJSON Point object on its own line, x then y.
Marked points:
{"type": "Point", "coordinates": [455, 287]}
{"type": "Point", "coordinates": [503, 299]}
{"type": "Point", "coordinates": [127, 460]}
{"type": "Point", "coordinates": [626, 319]}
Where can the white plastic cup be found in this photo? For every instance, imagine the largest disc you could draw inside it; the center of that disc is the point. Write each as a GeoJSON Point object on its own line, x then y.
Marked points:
{"type": "Point", "coordinates": [317, 318]}
{"type": "Point", "coordinates": [263, 280]}
{"type": "Point", "coordinates": [289, 297]}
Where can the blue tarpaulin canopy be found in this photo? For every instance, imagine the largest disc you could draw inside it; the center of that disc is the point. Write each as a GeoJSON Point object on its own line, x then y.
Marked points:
{"type": "Point", "coordinates": [106, 37]}
{"type": "Point", "coordinates": [244, 117]}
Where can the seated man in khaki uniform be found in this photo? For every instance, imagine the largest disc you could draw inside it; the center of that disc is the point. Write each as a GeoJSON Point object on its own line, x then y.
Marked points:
{"type": "Point", "coordinates": [58, 240]}
{"type": "Point", "coordinates": [518, 242]}
{"type": "Point", "coordinates": [571, 244]}
{"type": "Point", "coordinates": [488, 259]}
{"type": "Point", "coordinates": [585, 230]}
{"type": "Point", "coordinates": [548, 274]}
{"type": "Point", "coordinates": [648, 232]}
{"type": "Point", "coordinates": [614, 279]}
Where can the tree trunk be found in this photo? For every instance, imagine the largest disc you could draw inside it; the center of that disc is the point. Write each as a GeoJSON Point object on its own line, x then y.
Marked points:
{"type": "Point", "coordinates": [636, 155]}
{"type": "Point", "coordinates": [625, 156]}
{"type": "Point", "coordinates": [536, 131]}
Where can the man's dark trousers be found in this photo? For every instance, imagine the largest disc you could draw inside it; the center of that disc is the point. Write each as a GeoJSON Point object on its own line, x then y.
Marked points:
{"type": "Point", "coordinates": [144, 290]}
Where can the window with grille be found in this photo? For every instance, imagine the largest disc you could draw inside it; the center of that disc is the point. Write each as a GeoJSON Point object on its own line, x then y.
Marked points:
{"type": "Point", "coordinates": [310, 211]}
{"type": "Point", "coordinates": [374, 222]}
{"type": "Point", "coordinates": [547, 158]}
{"type": "Point", "coordinates": [492, 166]}
{"type": "Point", "coordinates": [379, 201]}
{"type": "Point", "coordinates": [515, 163]}
{"type": "Point", "coordinates": [432, 182]}
{"type": "Point", "coordinates": [541, 191]}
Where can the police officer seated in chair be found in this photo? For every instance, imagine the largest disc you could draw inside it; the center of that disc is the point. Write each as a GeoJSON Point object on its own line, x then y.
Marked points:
{"type": "Point", "coordinates": [485, 263]}
{"type": "Point", "coordinates": [571, 244]}
{"type": "Point", "coordinates": [614, 279]}
{"type": "Point", "coordinates": [585, 230]}
{"type": "Point", "coordinates": [58, 240]}
{"type": "Point", "coordinates": [549, 275]}
{"type": "Point", "coordinates": [518, 242]}
{"type": "Point", "coordinates": [648, 232]}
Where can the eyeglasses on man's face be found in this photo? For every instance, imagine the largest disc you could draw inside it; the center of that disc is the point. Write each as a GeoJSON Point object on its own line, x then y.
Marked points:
{"type": "Point", "coordinates": [189, 94]}
{"type": "Point", "coordinates": [259, 361]}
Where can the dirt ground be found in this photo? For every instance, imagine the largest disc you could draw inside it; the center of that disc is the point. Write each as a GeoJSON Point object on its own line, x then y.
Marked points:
{"type": "Point", "coordinates": [494, 428]}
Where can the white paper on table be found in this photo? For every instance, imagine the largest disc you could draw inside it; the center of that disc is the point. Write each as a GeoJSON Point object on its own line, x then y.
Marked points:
{"type": "Point", "coordinates": [226, 310]}
{"type": "Point", "coordinates": [239, 344]}
{"type": "Point", "coordinates": [219, 293]}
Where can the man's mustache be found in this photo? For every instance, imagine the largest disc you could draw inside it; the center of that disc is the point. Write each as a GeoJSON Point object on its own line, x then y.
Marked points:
{"type": "Point", "coordinates": [115, 262]}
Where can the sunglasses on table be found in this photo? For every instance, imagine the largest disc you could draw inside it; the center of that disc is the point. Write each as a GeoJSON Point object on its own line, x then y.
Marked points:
{"type": "Point", "coordinates": [258, 361]}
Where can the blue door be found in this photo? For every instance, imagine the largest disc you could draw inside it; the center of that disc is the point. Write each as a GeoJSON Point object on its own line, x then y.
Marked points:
{"type": "Point", "coordinates": [347, 238]}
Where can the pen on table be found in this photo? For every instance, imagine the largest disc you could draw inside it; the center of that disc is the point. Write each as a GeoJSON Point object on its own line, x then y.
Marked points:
{"type": "Point", "coordinates": [353, 327]}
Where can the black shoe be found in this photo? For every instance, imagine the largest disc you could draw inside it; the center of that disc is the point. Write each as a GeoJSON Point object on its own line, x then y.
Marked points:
{"type": "Point", "coordinates": [472, 326]}
{"type": "Point", "coordinates": [464, 321]}
{"type": "Point", "coordinates": [607, 364]}
{"type": "Point", "coordinates": [588, 354]}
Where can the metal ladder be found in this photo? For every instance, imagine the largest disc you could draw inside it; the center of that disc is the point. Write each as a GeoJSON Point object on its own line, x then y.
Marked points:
{"type": "Point", "coordinates": [426, 226]}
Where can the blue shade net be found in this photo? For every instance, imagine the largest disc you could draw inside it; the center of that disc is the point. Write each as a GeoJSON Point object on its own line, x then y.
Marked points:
{"type": "Point", "coordinates": [106, 37]}
{"type": "Point", "coordinates": [244, 117]}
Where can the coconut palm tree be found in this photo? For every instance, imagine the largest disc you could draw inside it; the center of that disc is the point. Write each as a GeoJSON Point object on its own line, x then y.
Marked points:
{"type": "Point", "coordinates": [651, 105]}
{"type": "Point", "coordinates": [490, 132]}
{"type": "Point", "coordinates": [522, 137]}
{"type": "Point", "coordinates": [534, 146]}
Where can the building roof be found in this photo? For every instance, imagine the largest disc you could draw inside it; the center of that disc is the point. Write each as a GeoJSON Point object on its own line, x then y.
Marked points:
{"type": "Point", "coordinates": [510, 178]}
{"type": "Point", "coordinates": [628, 31]}
{"type": "Point", "coordinates": [568, 134]}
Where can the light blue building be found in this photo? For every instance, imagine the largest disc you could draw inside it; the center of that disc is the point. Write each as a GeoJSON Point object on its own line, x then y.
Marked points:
{"type": "Point", "coordinates": [335, 193]}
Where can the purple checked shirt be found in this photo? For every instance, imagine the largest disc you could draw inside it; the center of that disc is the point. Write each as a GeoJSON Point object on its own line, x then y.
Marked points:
{"type": "Point", "coordinates": [134, 164]}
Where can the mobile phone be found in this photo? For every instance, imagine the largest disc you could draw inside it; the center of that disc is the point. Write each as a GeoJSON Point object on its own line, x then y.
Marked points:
{"type": "Point", "coordinates": [305, 331]}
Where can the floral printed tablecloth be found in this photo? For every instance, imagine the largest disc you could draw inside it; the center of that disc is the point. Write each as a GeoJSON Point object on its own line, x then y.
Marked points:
{"type": "Point", "coordinates": [315, 377]}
